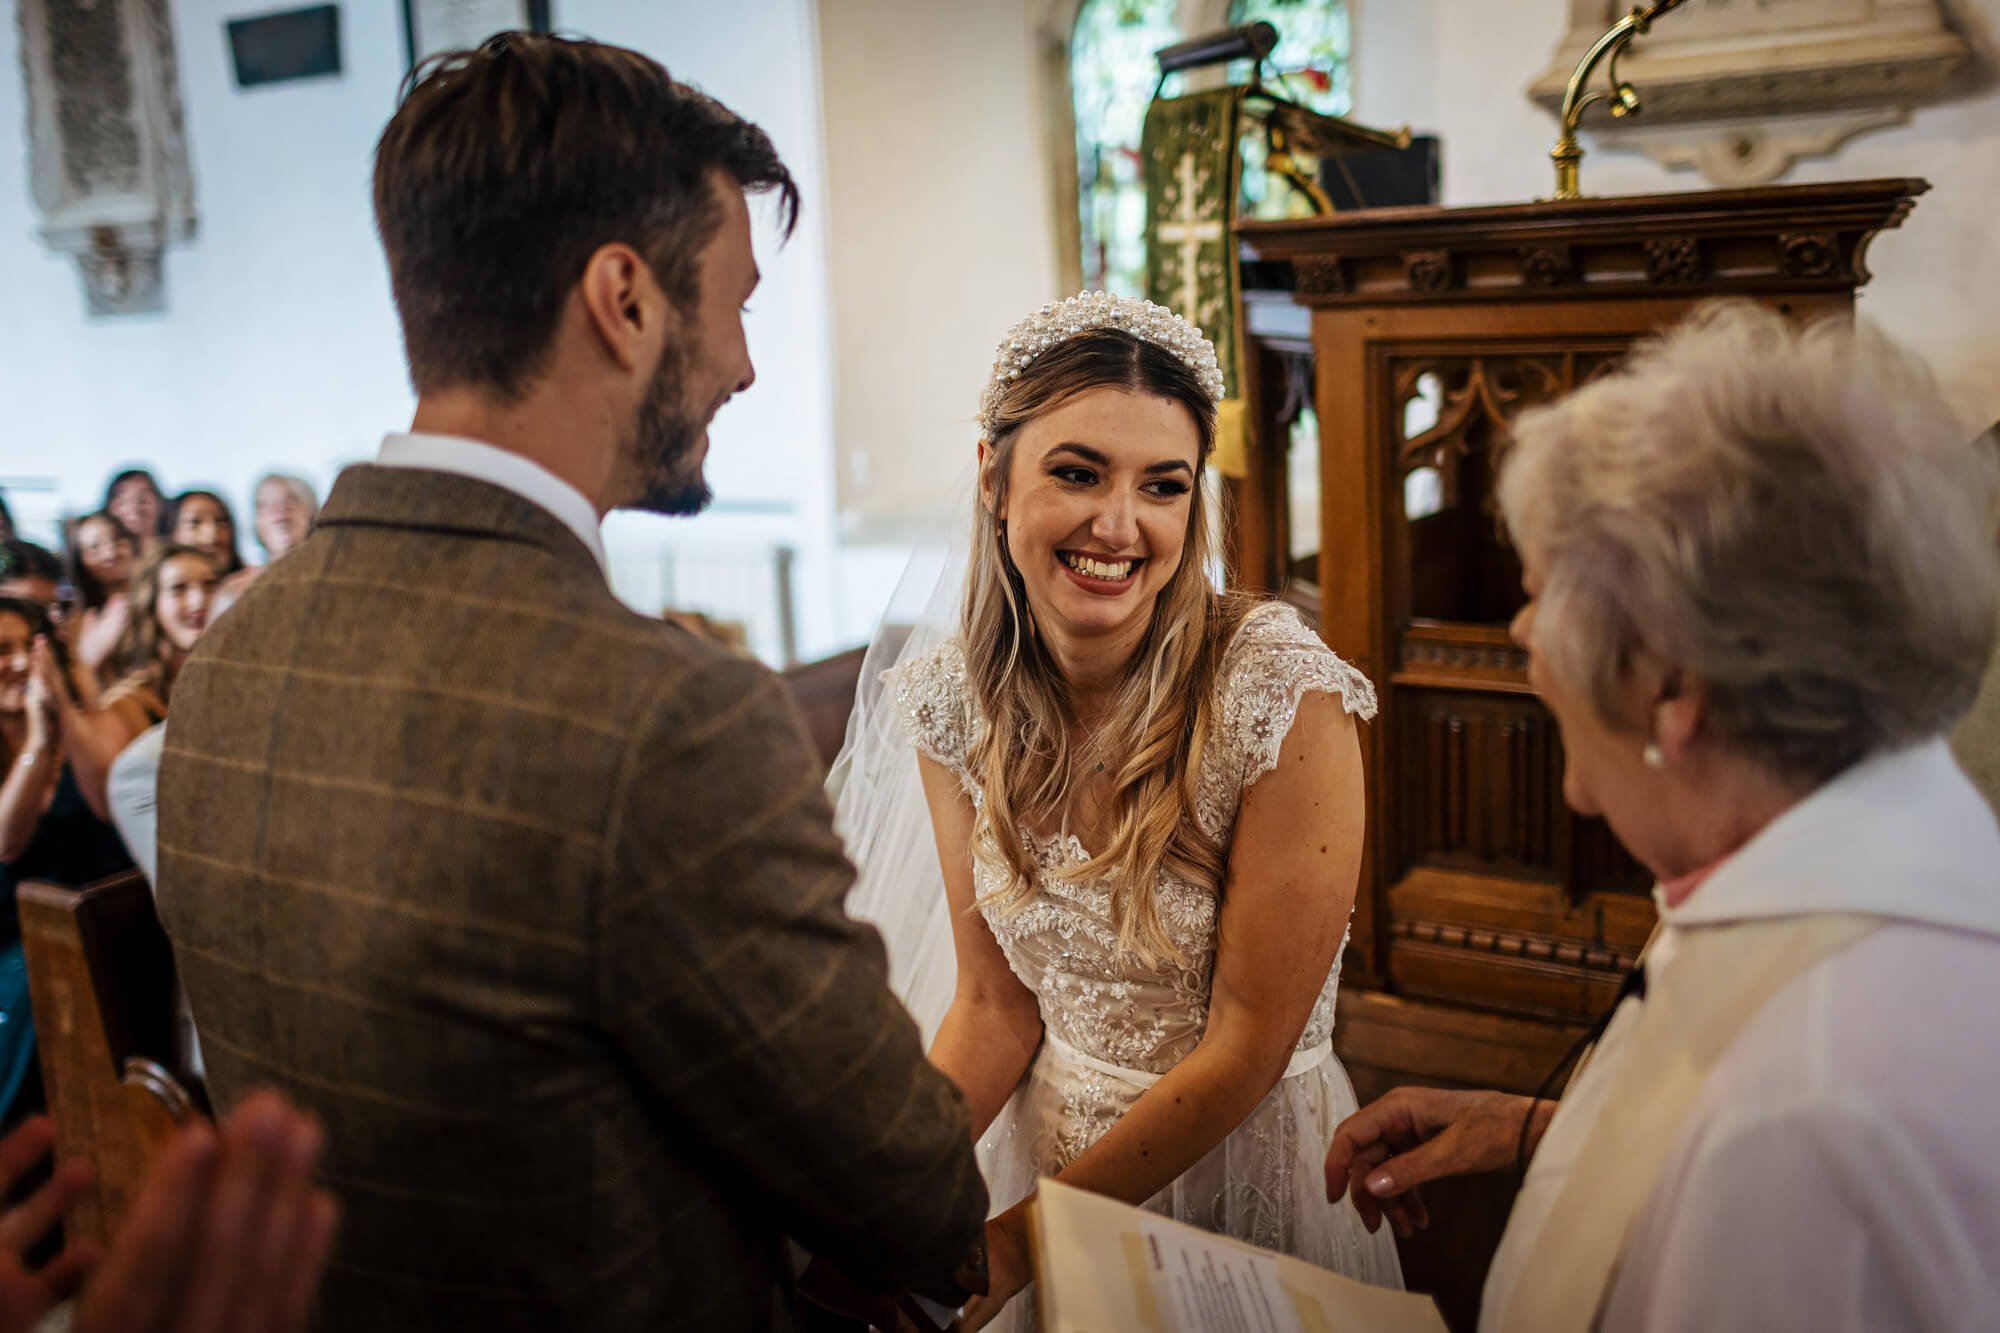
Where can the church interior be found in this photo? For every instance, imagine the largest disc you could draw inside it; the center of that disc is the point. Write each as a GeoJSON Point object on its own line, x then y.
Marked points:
{"type": "Point", "coordinates": [1363, 212]}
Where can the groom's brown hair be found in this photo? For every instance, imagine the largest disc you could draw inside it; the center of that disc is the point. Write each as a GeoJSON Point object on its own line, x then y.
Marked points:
{"type": "Point", "coordinates": [507, 167]}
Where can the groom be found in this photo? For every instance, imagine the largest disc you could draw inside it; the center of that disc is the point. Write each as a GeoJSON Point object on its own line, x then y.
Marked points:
{"type": "Point", "coordinates": [535, 901]}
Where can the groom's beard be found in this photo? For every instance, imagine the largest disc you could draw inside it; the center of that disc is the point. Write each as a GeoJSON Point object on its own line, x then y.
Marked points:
{"type": "Point", "coordinates": [665, 445]}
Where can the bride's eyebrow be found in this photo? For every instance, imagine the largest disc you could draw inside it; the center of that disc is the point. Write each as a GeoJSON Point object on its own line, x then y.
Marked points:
{"type": "Point", "coordinates": [1103, 460]}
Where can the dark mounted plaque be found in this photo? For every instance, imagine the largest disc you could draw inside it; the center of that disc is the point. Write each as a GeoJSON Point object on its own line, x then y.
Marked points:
{"type": "Point", "coordinates": [295, 44]}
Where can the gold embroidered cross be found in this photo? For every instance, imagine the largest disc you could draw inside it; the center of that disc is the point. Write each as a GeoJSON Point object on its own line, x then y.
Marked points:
{"type": "Point", "coordinates": [1190, 233]}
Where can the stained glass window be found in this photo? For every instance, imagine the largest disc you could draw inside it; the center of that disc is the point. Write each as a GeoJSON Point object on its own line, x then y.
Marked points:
{"type": "Point", "coordinates": [1112, 76]}
{"type": "Point", "coordinates": [1312, 51]}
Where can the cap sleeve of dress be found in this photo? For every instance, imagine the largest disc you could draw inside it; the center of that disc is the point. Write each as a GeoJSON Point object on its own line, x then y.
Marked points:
{"type": "Point", "coordinates": [933, 704]}
{"type": "Point", "coordinates": [1273, 663]}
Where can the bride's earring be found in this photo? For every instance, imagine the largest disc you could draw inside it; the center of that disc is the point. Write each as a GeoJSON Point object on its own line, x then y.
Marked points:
{"type": "Point", "coordinates": [1652, 756]}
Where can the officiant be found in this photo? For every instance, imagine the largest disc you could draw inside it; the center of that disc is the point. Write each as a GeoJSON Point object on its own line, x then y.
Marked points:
{"type": "Point", "coordinates": [1761, 572]}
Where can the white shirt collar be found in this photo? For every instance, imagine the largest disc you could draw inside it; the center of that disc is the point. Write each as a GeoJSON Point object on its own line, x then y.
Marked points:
{"type": "Point", "coordinates": [1903, 835]}
{"type": "Point", "coordinates": [505, 469]}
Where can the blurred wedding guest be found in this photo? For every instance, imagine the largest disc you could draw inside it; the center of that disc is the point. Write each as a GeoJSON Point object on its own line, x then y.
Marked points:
{"type": "Point", "coordinates": [132, 793]}
{"type": "Point", "coordinates": [6, 519]}
{"type": "Point", "coordinates": [227, 1231]}
{"type": "Point", "coordinates": [286, 508]}
{"type": "Point", "coordinates": [1761, 578]}
{"type": "Point", "coordinates": [202, 519]}
{"type": "Point", "coordinates": [102, 552]}
{"type": "Point", "coordinates": [1976, 741]}
{"type": "Point", "coordinates": [32, 573]}
{"type": "Point", "coordinates": [133, 786]}
{"type": "Point", "coordinates": [171, 597]}
{"type": "Point", "coordinates": [138, 502]}
{"type": "Point", "coordinates": [47, 830]}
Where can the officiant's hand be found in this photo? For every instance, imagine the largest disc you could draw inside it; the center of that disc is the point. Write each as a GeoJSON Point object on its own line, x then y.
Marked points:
{"type": "Point", "coordinates": [1412, 1136]}
{"type": "Point", "coordinates": [1009, 1267]}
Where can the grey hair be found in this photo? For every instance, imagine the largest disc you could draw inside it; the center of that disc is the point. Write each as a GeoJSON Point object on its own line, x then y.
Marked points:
{"type": "Point", "coordinates": [1791, 516]}
{"type": "Point", "coordinates": [301, 490]}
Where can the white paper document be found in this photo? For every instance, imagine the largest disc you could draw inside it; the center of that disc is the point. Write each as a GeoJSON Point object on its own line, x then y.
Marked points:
{"type": "Point", "coordinates": [1102, 1266]}
{"type": "Point", "coordinates": [1206, 1286]}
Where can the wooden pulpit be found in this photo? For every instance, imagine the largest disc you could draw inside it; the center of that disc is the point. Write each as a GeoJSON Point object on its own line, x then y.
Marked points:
{"type": "Point", "coordinates": [1414, 336]}
{"type": "Point", "coordinates": [1384, 354]}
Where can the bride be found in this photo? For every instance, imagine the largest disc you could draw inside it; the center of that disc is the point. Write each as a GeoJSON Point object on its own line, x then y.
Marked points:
{"type": "Point", "coordinates": [1146, 803]}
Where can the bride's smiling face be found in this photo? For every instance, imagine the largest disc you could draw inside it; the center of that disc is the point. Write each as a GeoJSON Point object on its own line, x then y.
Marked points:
{"type": "Point", "coordinates": [1097, 499]}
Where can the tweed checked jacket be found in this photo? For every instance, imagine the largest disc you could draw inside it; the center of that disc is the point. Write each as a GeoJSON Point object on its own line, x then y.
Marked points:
{"type": "Point", "coordinates": [537, 904]}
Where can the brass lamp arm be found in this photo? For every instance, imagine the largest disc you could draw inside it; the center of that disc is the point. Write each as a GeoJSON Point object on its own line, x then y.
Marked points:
{"type": "Point", "coordinates": [1624, 98]}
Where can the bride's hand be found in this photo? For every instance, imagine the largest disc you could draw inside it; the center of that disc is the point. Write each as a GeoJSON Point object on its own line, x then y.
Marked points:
{"type": "Point", "coordinates": [1008, 1267]}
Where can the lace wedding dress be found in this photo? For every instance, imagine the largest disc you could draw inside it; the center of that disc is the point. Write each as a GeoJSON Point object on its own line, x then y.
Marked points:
{"type": "Point", "coordinates": [1113, 1028]}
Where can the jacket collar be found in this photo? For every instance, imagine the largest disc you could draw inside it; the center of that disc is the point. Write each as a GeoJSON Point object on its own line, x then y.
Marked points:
{"type": "Point", "coordinates": [367, 495]}
{"type": "Point", "coordinates": [1903, 835]}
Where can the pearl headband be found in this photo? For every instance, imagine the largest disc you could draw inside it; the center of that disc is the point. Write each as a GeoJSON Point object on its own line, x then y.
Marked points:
{"type": "Point", "coordinates": [1055, 324]}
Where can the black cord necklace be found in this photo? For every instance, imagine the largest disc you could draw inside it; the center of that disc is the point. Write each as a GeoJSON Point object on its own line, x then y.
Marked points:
{"type": "Point", "coordinates": [1633, 986]}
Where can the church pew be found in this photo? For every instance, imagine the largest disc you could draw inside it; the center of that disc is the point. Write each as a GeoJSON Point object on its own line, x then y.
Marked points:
{"type": "Point", "coordinates": [824, 691]}
{"type": "Point", "coordinates": [101, 984]}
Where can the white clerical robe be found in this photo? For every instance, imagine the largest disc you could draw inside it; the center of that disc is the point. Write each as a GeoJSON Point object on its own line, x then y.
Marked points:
{"type": "Point", "coordinates": [1840, 1167]}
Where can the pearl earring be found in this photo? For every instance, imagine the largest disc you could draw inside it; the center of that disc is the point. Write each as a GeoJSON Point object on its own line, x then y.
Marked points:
{"type": "Point", "coordinates": [1652, 756]}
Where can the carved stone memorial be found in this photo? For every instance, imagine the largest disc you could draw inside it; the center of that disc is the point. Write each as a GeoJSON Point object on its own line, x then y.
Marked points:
{"type": "Point", "coordinates": [107, 146]}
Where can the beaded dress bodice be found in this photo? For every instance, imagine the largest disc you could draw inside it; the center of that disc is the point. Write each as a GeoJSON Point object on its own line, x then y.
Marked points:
{"type": "Point", "coordinates": [1062, 942]}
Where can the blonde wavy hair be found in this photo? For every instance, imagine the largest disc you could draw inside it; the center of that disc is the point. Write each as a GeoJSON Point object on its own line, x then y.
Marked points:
{"type": "Point", "coordinates": [145, 656]}
{"type": "Point", "coordinates": [1151, 739]}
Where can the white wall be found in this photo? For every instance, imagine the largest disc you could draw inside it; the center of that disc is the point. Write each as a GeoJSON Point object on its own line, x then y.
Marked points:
{"type": "Point", "coordinates": [939, 231]}
{"type": "Point", "coordinates": [770, 460]}
{"type": "Point", "coordinates": [1395, 75]}
{"type": "Point", "coordinates": [1935, 278]}
{"type": "Point", "coordinates": [279, 344]}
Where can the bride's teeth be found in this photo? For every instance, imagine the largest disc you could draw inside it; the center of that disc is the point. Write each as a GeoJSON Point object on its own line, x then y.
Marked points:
{"type": "Point", "coordinates": [1098, 569]}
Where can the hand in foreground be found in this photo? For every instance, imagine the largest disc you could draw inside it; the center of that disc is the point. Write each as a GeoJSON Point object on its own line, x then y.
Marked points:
{"type": "Point", "coordinates": [1411, 1136]}
{"type": "Point", "coordinates": [27, 1296]}
{"type": "Point", "coordinates": [227, 1234]}
{"type": "Point", "coordinates": [1009, 1267]}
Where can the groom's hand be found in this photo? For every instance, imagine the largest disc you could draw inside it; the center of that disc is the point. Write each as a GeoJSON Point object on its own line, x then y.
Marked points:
{"type": "Point", "coordinates": [825, 1285]}
{"type": "Point", "coordinates": [1386, 1150]}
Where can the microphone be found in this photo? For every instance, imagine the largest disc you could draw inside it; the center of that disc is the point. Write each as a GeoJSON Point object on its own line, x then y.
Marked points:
{"type": "Point", "coordinates": [1252, 41]}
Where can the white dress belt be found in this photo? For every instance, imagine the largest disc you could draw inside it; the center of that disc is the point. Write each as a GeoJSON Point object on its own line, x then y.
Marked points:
{"type": "Point", "coordinates": [1303, 1061]}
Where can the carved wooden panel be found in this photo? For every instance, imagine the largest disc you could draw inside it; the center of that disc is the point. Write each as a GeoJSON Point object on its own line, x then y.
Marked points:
{"type": "Point", "coordinates": [1451, 417]}
{"type": "Point", "coordinates": [1481, 784]}
{"type": "Point", "coordinates": [1430, 332]}
{"type": "Point", "coordinates": [1798, 238]}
